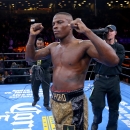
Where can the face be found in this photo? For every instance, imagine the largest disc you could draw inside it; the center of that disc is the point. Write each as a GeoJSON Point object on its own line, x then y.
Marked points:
{"type": "Point", "coordinates": [111, 34]}
{"type": "Point", "coordinates": [60, 26]}
{"type": "Point", "coordinates": [39, 44]}
{"type": "Point", "coordinates": [6, 73]}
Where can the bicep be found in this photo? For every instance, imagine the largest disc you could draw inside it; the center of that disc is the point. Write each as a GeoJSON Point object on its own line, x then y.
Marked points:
{"type": "Point", "coordinates": [93, 53]}
{"type": "Point", "coordinates": [41, 53]}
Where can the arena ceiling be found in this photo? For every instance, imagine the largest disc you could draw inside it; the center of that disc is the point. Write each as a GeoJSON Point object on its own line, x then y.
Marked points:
{"type": "Point", "coordinates": [60, 4]}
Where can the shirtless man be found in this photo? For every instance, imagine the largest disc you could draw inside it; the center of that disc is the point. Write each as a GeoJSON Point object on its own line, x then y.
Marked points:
{"type": "Point", "coordinates": [70, 58]}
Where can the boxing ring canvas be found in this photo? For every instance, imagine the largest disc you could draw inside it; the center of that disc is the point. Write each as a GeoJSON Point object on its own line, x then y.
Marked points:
{"type": "Point", "coordinates": [17, 113]}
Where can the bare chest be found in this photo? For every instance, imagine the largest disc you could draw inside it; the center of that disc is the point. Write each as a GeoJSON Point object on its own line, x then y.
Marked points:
{"type": "Point", "coordinates": [67, 56]}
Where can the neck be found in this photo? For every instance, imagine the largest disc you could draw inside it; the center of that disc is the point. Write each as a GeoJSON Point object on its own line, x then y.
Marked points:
{"type": "Point", "coordinates": [66, 40]}
{"type": "Point", "coordinates": [110, 41]}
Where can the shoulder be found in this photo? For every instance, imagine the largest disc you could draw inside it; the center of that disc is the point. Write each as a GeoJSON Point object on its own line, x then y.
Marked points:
{"type": "Point", "coordinates": [120, 46]}
{"type": "Point", "coordinates": [53, 44]}
{"type": "Point", "coordinates": [84, 42]}
{"type": "Point", "coordinates": [120, 49]}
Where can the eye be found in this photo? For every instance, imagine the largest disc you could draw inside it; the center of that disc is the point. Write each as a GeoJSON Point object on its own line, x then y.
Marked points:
{"type": "Point", "coordinates": [59, 22]}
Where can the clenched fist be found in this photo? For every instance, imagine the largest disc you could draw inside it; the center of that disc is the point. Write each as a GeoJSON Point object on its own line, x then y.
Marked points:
{"type": "Point", "coordinates": [36, 28]}
{"type": "Point", "coordinates": [78, 25]}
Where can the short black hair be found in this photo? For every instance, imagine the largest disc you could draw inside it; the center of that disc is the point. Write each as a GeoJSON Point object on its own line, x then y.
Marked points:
{"type": "Point", "coordinates": [40, 39]}
{"type": "Point", "coordinates": [64, 13]}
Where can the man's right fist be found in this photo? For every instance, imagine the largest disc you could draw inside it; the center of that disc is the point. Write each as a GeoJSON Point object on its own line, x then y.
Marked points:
{"type": "Point", "coordinates": [36, 28]}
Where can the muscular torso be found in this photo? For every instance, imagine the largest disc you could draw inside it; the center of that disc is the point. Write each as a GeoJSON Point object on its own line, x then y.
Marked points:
{"type": "Point", "coordinates": [70, 65]}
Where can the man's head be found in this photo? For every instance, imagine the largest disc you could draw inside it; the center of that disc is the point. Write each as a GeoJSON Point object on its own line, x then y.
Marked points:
{"type": "Point", "coordinates": [39, 43]}
{"type": "Point", "coordinates": [6, 72]}
{"type": "Point", "coordinates": [111, 32]}
{"type": "Point", "coordinates": [60, 25]}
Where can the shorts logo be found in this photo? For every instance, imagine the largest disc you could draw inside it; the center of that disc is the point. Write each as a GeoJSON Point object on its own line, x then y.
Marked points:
{"type": "Point", "coordinates": [59, 97]}
{"type": "Point", "coordinates": [68, 127]}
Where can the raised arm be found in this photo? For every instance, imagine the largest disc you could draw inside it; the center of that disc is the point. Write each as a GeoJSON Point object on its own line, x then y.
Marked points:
{"type": "Point", "coordinates": [31, 54]}
{"type": "Point", "coordinates": [99, 49]}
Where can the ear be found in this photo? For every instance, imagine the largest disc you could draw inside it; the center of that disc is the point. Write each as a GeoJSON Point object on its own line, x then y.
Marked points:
{"type": "Point", "coordinates": [115, 32]}
{"type": "Point", "coordinates": [70, 26]}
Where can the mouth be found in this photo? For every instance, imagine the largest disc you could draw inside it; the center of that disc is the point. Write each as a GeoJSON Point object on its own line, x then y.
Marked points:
{"type": "Point", "coordinates": [56, 32]}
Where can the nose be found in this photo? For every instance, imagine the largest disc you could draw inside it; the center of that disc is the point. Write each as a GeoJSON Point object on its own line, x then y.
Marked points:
{"type": "Point", "coordinates": [55, 26]}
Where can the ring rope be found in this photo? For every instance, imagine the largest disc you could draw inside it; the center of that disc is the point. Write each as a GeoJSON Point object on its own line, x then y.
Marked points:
{"type": "Point", "coordinates": [125, 68]}
{"type": "Point", "coordinates": [125, 75]}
